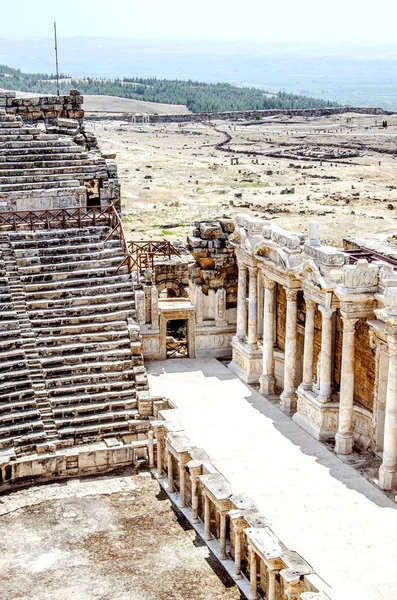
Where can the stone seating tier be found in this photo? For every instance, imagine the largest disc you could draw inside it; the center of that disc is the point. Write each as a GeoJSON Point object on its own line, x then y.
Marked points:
{"type": "Point", "coordinates": [71, 369]}
{"type": "Point", "coordinates": [33, 162]}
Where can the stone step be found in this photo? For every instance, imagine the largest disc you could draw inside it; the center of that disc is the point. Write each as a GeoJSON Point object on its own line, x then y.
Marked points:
{"type": "Point", "coordinates": [69, 276]}
{"type": "Point", "coordinates": [127, 395]}
{"type": "Point", "coordinates": [86, 432]}
{"type": "Point", "coordinates": [26, 442]}
{"type": "Point", "coordinates": [35, 162]}
{"type": "Point", "coordinates": [8, 387]}
{"type": "Point", "coordinates": [52, 294]}
{"type": "Point", "coordinates": [71, 248]}
{"type": "Point", "coordinates": [55, 361]}
{"type": "Point", "coordinates": [69, 285]}
{"type": "Point", "coordinates": [96, 366]}
{"type": "Point", "coordinates": [22, 416]}
{"type": "Point", "coordinates": [57, 234]}
{"type": "Point", "coordinates": [44, 155]}
{"type": "Point", "coordinates": [120, 388]}
{"type": "Point", "coordinates": [44, 260]}
{"type": "Point", "coordinates": [104, 405]}
{"type": "Point", "coordinates": [86, 347]}
{"type": "Point", "coordinates": [36, 144]}
{"type": "Point", "coordinates": [21, 426]}
{"type": "Point", "coordinates": [88, 419]}
{"type": "Point", "coordinates": [76, 379]}
{"type": "Point", "coordinates": [77, 303]}
{"type": "Point", "coordinates": [88, 328]}
{"type": "Point", "coordinates": [37, 148]}
{"type": "Point", "coordinates": [42, 185]}
{"type": "Point", "coordinates": [27, 179]}
{"type": "Point", "coordinates": [14, 406]}
{"type": "Point", "coordinates": [79, 314]}
{"type": "Point", "coordinates": [88, 171]}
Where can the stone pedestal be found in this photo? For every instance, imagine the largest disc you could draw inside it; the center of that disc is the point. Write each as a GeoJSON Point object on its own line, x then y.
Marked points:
{"type": "Point", "coordinates": [246, 362]}
{"type": "Point", "coordinates": [318, 418]}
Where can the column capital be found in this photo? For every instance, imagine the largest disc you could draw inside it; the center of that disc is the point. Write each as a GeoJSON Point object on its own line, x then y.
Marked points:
{"type": "Point", "coordinates": [268, 284]}
{"type": "Point", "coordinates": [392, 344]}
{"type": "Point", "coordinates": [349, 323]}
{"type": "Point", "coordinates": [310, 304]}
{"type": "Point", "coordinates": [326, 312]}
{"type": "Point", "coordinates": [291, 294]}
{"type": "Point", "coordinates": [253, 271]}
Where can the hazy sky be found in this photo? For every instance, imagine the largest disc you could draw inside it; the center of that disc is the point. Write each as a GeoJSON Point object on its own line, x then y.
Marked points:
{"type": "Point", "coordinates": [354, 21]}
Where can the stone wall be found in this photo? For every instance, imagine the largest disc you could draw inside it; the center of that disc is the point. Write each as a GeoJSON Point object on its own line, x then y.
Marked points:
{"type": "Point", "coordinates": [247, 115]}
{"type": "Point", "coordinates": [215, 265]}
{"type": "Point", "coordinates": [43, 107]}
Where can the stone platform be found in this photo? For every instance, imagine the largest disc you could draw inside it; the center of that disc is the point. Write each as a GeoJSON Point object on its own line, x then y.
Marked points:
{"type": "Point", "coordinates": [318, 506]}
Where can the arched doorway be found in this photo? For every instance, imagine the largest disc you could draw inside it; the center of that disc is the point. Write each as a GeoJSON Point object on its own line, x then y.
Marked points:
{"type": "Point", "coordinates": [176, 341]}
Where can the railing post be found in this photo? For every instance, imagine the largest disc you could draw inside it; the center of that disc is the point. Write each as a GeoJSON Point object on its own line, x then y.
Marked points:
{"type": "Point", "coordinates": [94, 215]}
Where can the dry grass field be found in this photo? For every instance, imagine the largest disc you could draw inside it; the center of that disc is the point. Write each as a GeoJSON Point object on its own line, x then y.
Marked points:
{"type": "Point", "coordinates": [339, 170]}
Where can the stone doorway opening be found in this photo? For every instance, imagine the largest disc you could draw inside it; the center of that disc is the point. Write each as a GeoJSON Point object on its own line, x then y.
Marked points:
{"type": "Point", "coordinates": [176, 340]}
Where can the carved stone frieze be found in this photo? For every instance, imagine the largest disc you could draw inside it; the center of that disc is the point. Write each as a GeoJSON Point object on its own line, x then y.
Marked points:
{"type": "Point", "coordinates": [361, 277]}
{"type": "Point", "coordinates": [325, 255]}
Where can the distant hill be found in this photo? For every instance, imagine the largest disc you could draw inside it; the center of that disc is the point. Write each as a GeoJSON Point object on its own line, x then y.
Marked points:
{"type": "Point", "coordinates": [196, 96]}
{"type": "Point", "coordinates": [113, 104]}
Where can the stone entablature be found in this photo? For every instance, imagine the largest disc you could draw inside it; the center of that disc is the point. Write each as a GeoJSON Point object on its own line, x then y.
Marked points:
{"type": "Point", "coordinates": [263, 565]}
{"type": "Point", "coordinates": [325, 298]}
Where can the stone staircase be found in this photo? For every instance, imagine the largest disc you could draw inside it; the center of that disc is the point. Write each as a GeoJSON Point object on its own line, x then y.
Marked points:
{"type": "Point", "coordinates": [36, 166]}
{"type": "Point", "coordinates": [77, 343]}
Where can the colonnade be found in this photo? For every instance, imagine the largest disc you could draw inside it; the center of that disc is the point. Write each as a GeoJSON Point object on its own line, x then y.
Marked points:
{"type": "Point", "coordinates": [232, 521]}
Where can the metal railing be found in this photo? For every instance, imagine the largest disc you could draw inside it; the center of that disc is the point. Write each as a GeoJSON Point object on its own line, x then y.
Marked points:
{"type": "Point", "coordinates": [138, 256]}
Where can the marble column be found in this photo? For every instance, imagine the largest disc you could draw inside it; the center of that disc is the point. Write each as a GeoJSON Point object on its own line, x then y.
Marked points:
{"type": "Point", "coordinates": [207, 518]}
{"type": "Point", "coordinates": [326, 354]}
{"type": "Point", "coordinates": [344, 435]}
{"type": "Point", "coordinates": [170, 488]}
{"type": "Point", "coordinates": [253, 575]}
{"type": "Point", "coordinates": [388, 469]}
{"type": "Point", "coordinates": [288, 396]}
{"type": "Point", "coordinates": [268, 380]}
{"type": "Point", "coordinates": [182, 485]}
{"type": "Point", "coordinates": [199, 305]}
{"type": "Point", "coordinates": [242, 302]}
{"type": "Point", "coordinates": [194, 473]}
{"type": "Point", "coordinates": [222, 536]}
{"type": "Point", "coordinates": [272, 585]}
{"type": "Point", "coordinates": [159, 433]}
{"type": "Point", "coordinates": [309, 345]}
{"type": "Point", "coordinates": [253, 307]}
{"type": "Point", "coordinates": [237, 553]}
{"type": "Point", "coordinates": [150, 444]}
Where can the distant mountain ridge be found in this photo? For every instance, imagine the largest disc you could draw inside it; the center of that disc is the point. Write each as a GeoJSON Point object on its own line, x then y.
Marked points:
{"type": "Point", "coordinates": [196, 96]}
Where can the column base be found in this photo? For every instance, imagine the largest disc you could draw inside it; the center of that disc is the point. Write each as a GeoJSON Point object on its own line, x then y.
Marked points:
{"type": "Point", "coordinates": [208, 538]}
{"type": "Point", "coordinates": [246, 362]}
{"type": "Point", "coordinates": [267, 385]}
{"type": "Point", "coordinates": [223, 556]}
{"type": "Point", "coordinates": [344, 443]}
{"type": "Point", "coordinates": [237, 577]}
{"type": "Point", "coordinates": [387, 478]}
{"type": "Point", "coordinates": [318, 418]}
{"type": "Point", "coordinates": [195, 521]}
{"type": "Point", "coordinates": [288, 403]}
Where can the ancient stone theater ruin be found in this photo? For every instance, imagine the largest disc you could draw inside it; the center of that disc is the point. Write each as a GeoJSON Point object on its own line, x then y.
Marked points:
{"type": "Point", "coordinates": [271, 324]}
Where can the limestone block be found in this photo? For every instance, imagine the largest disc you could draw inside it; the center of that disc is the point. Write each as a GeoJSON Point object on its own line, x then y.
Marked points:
{"type": "Point", "coordinates": [210, 230]}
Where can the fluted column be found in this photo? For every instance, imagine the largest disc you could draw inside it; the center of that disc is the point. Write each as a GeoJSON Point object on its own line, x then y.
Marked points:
{"type": "Point", "coordinates": [288, 397]}
{"type": "Point", "coordinates": [326, 354]}
{"type": "Point", "coordinates": [308, 345]}
{"type": "Point", "coordinates": [253, 574]}
{"type": "Point", "coordinates": [159, 433]}
{"type": "Point", "coordinates": [268, 380]}
{"type": "Point", "coordinates": [272, 585]}
{"type": "Point", "coordinates": [344, 435]}
{"type": "Point", "coordinates": [242, 302]}
{"type": "Point", "coordinates": [253, 307]}
{"type": "Point", "coordinates": [388, 469]}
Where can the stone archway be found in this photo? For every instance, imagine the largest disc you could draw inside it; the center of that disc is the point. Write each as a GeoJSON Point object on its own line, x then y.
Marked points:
{"type": "Point", "coordinates": [173, 289]}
